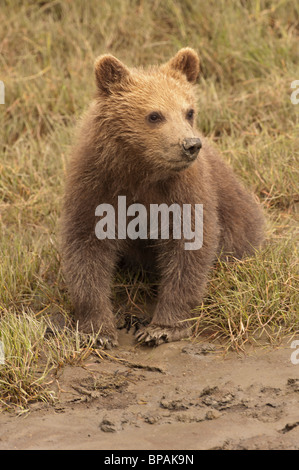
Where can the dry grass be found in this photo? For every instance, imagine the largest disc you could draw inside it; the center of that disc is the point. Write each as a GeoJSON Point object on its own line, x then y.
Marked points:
{"type": "Point", "coordinates": [249, 57]}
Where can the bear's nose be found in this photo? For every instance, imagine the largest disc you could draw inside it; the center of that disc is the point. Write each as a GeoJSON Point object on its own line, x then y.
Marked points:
{"type": "Point", "coordinates": [191, 147]}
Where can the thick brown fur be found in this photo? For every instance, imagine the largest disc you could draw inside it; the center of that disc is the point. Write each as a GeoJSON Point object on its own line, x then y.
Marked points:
{"type": "Point", "coordinates": [120, 152]}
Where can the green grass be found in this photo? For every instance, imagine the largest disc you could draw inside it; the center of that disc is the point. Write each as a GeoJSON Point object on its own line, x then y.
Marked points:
{"type": "Point", "coordinates": [249, 57]}
{"type": "Point", "coordinates": [253, 299]}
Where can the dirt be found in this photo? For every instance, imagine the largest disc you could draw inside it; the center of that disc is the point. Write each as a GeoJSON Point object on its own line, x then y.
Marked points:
{"type": "Point", "coordinates": [179, 396]}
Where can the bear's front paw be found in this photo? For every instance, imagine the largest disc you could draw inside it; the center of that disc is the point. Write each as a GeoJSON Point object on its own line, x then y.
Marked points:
{"type": "Point", "coordinates": [99, 335]}
{"type": "Point", "coordinates": [106, 342]}
{"type": "Point", "coordinates": [98, 341]}
{"type": "Point", "coordinates": [154, 335]}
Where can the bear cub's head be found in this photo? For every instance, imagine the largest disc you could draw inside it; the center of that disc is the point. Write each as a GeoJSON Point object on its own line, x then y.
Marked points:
{"type": "Point", "coordinates": [150, 113]}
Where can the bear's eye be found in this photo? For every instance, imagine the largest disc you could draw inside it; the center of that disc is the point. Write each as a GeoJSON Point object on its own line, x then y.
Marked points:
{"type": "Point", "coordinates": [190, 114]}
{"type": "Point", "coordinates": [155, 117]}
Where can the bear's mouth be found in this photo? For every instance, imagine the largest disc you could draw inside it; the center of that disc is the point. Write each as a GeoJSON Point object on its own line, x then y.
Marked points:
{"type": "Point", "coordinates": [179, 165]}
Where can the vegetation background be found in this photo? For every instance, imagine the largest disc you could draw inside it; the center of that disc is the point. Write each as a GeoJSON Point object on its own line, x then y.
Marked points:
{"type": "Point", "coordinates": [249, 57]}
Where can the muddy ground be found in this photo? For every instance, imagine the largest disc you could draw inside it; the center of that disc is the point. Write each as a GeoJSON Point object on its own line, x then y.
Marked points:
{"type": "Point", "coordinates": [178, 396]}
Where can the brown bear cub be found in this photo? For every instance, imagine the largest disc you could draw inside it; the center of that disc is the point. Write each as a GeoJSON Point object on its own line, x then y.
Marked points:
{"type": "Point", "coordinates": [138, 139]}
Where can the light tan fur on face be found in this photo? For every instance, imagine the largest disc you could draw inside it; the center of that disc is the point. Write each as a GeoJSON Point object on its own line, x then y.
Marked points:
{"type": "Point", "coordinates": [121, 152]}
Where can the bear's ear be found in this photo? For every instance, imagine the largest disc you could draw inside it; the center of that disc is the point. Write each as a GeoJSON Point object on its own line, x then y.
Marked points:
{"type": "Point", "coordinates": [185, 61]}
{"type": "Point", "coordinates": [109, 73]}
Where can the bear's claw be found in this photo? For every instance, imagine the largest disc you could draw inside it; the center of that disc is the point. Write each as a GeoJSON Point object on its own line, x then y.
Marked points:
{"type": "Point", "coordinates": [97, 341]}
{"type": "Point", "coordinates": [105, 342]}
{"type": "Point", "coordinates": [156, 335]}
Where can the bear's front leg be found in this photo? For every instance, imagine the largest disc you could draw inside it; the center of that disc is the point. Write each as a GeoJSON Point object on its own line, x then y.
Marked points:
{"type": "Point", "coordinates": [184, 276]}
{"type": "Point", "coordinates": [88, 268]}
